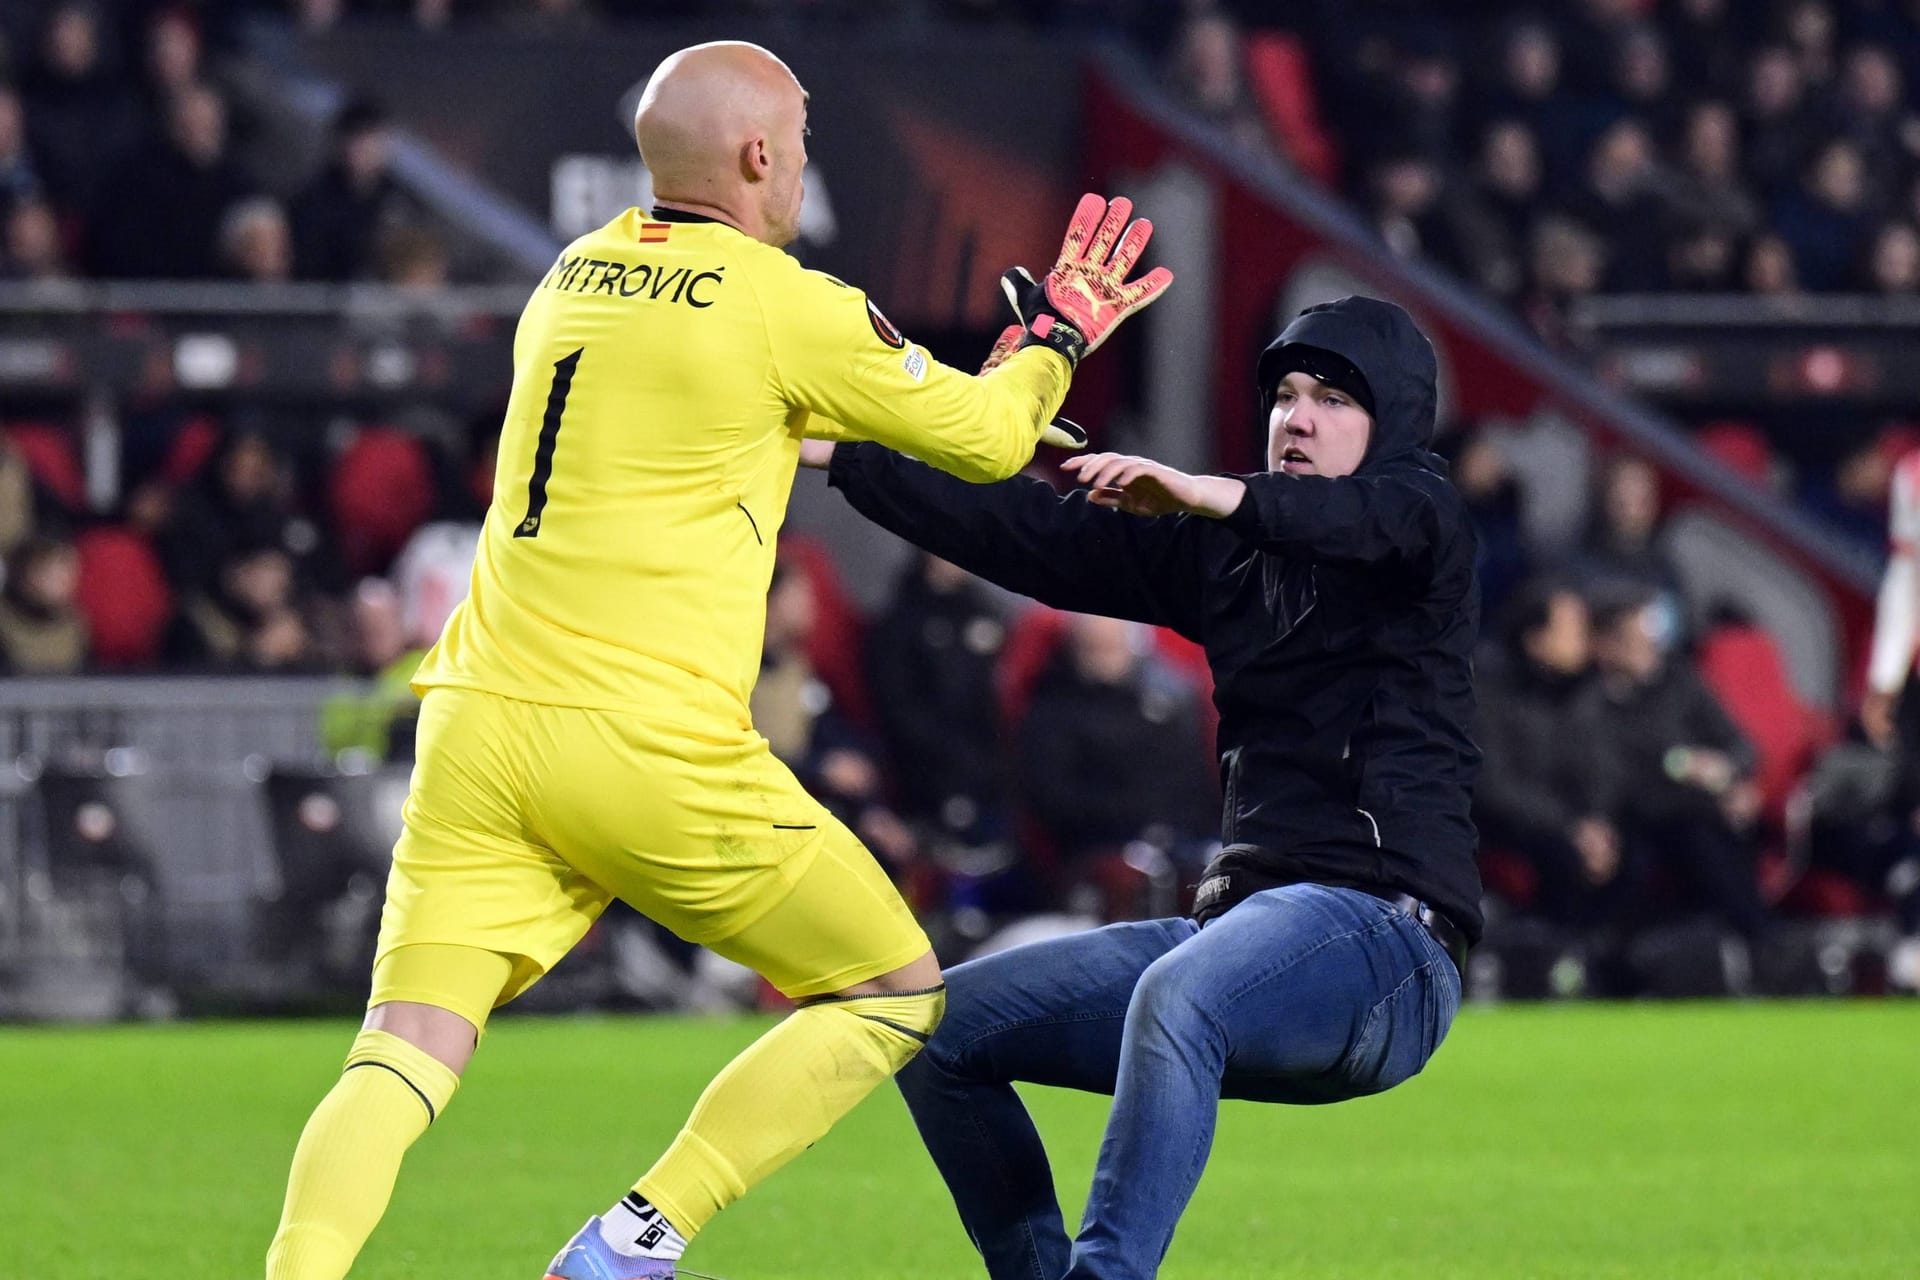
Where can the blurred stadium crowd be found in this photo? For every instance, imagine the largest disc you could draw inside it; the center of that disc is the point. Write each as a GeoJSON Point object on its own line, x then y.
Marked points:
{"type": "Point", "coordinates": [1642, 769]}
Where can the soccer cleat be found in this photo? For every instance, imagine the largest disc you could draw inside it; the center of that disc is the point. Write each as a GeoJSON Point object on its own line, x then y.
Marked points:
{"type": "Point", "coordinates": [589, 1257]}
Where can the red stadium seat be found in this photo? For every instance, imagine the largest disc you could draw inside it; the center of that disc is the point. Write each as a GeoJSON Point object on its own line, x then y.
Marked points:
{"type": "Point", "coordinates": [380, 491]}
{"type": "Point", "coordinates": [1741, 664]}
{"type": "Point", "coordinates": [1824, 892]}
{"type": "Point", "coordinates": [1508, 876]}
{"type": "Point", "coordinates": [1281, 76]}
{"type": "Point", "coordinates": [1740, 447]}
{"type": "Point", "coordinates": [50, 456]}
{"type": "Point", "coordinates": [197, 440]}
{"type": "Point", "coordinates": [123, 593]}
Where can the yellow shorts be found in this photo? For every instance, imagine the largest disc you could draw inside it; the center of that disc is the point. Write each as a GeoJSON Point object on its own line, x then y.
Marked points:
{"type": "Point", "coordinates": [524, 820]}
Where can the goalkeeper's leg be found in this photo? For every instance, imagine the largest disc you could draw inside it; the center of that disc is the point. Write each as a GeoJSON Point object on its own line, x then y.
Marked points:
{"type": "Point", "coordinates": [852, 1032]}
{"type": "Point", "coordinates": [400, 1075]}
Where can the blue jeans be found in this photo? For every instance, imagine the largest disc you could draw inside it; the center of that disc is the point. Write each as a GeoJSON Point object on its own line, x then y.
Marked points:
{"type": "Point", "coordinates": [1300, 994]}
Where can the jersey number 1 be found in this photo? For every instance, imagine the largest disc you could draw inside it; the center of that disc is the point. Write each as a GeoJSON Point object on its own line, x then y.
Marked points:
{"type": "Point", "coordinates": [549, 436]}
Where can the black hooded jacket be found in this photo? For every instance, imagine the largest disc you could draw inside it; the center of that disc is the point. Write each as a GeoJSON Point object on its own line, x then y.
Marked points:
{"type": "Point", "coordinates": [1338, 616]}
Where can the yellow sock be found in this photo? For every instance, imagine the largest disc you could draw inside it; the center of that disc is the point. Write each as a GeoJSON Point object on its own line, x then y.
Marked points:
{"type": "Point", "coordinates": [782, 1095]}
{"type": "Point", "coordinates": [350, 1152]}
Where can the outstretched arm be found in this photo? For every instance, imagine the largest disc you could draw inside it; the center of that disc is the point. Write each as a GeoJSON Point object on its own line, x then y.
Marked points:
{"type": "Point", "coordinates": [1063, 551]}
{"type": "Point", "coordinates": [1352, 519]}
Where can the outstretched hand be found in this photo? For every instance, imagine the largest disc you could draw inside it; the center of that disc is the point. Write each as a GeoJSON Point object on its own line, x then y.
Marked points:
{"type": "Point", "coordinates": [1086, 295]}
{"type": "Point", "coordinates": [1143, 487]}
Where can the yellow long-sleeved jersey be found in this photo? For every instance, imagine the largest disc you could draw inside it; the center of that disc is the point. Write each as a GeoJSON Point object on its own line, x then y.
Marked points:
{"type": "Point", "coordinates": [664, 375]}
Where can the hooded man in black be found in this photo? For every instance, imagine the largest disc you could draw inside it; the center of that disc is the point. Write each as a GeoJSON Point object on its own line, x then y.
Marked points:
{"type": "Point", "coordinates": [1335, 597]}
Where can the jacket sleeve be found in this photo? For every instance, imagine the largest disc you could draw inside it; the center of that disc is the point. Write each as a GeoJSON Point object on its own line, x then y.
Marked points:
{"type": "Point", "coordinates": [835, 356]}
{"type": "Point", "coordinates": [1019, 534]}
{"type": "Point", "coordinates": [1396, 518]}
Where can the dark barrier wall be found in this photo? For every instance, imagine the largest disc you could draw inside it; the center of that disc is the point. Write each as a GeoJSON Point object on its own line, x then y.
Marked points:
{"type": "Point", "coordinates": [930, 180]}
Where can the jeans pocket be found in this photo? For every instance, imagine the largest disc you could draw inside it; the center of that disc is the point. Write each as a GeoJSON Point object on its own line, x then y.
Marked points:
{"type": "Point", "coordinates": [1404, 1029]}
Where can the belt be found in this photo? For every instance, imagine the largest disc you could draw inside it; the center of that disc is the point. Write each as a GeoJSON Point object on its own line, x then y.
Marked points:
{"type": "Point", "coordinates": [1443, 931]}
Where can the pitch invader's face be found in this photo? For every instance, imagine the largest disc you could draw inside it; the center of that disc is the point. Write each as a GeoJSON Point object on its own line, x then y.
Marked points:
{"type": "Point", "coordinates": [785, 188]}
{"type": "Point", "coordinates": [1315, 429]}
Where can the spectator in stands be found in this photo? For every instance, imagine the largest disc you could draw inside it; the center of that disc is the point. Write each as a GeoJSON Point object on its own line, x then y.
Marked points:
{"type": "Point", "coordinates": [432, 573]}
{"type": "Point", "coordinates": [174, 61]}
{"type": "Point", "coordinates": [540, 18]}
{"type": "Point", "coordinates": [1852, 498]}
{"type": "Point", "coordinates": [16, 500]}
{"type": "Point", "coordinates": [1779, 132]}
{"type": "Point", "coordinates": [1709, 190]}
{"type": "Point", "coordinates": [1828, 221]}
{"type": "Point", "coordinates": [242, 500]}
{"type": "Point", "coordinates": [414, 258]}
{"type": "Point", "coordinates": [1702, 259]}
{"type": "Point", "coordinates": [249, 620]}
{"type": "Point", "coordinates": [319, 15]}
{"type": "Point", "coordinates": [1111, 751]}
{"type": "Point", "coordinates": [1540, 795]}
{"type": "Point", "coordinates": [1704, 50]}
{"type": "Point", "coordinates": [1565, 261]}
{"type": "Point", "coordinates": [31, 250]}
{"type": "Point", "coordinates": [1507, 184]}
{"type": "Point", "coordinates": [255, 243]}
{"type": "Point", "coordinates": [1809, 26]}
{"type": "Point", "coordinates": [1591, 33]}
{"type": "Point", "coordinates": [1618, 202]}
{"type": "Point", "coordinates": [1641, 79]}
{"type": "Point", "coordinates": [932, 656]}
{"type": "Point", "coordinates": [162, 210]}
{"type": "Point", "coordinates": [1423, 95]}
{"type": "Point", "coordinates": [1420, 214]}
{"type": "Point", "coordinates": [19, 179]}
{"type": "Point", "coordinates": [380, 721]}
{"type": "Point", "coordinates": [1529, 90]}
{"type": "Point", "coordinates": [1210, 77]}
{"type": "Point", "coordinates": [1491, 494]}
{"type": "Point", "coordinates": [1893, 265]}
{"type": "Point", "coordinates": [1872, 110]}
{"type": "Point", "coordinates": [1680, 774]}
{"type": "Point", "coordinates": [795, 711]}
{"type": "Point", "coordinates": [1621, 552]}
{"type": "Point", "coordinates": [79, 115]}
{"type": "Point", "coordinates": [432, 15]}
{"type": "Point", "coordinates": [339, 219]}
{"type": "Point", "coordinates": [42, 632]}
{"type": "Point", "coordinates": [1770, 269]}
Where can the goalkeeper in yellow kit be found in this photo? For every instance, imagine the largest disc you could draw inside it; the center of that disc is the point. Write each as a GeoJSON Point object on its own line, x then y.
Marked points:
{"type": "Point", "coordinates": [584, 731]}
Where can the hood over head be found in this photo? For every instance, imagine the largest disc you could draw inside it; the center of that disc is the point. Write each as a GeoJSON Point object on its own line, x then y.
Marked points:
{"type": "Point", "coordinates": [1379, 344]}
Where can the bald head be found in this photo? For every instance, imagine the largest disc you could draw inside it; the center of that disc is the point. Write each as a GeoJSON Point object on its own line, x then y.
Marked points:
{"type": "Point", "coordinates": [722, 129]}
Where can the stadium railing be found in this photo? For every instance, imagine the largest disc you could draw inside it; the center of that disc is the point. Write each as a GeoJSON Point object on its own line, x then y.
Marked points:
{"type": "Point", "coordinates": [165, 779]}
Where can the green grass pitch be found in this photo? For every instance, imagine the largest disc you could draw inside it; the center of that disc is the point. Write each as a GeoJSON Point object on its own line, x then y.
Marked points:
{"type": "Point", "coordinates": [1693, 1142]}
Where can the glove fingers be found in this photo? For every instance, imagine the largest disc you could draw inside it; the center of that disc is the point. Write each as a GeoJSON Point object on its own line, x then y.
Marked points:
{"type": "Point", "coordinates": [1145, 289]}
{"type": "Point", "coordinates": [1132, 245]}
{"type": "Point", "coordinates": [1086, 220]}
{"type": "Point", "coordinates": [1110, 226]}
